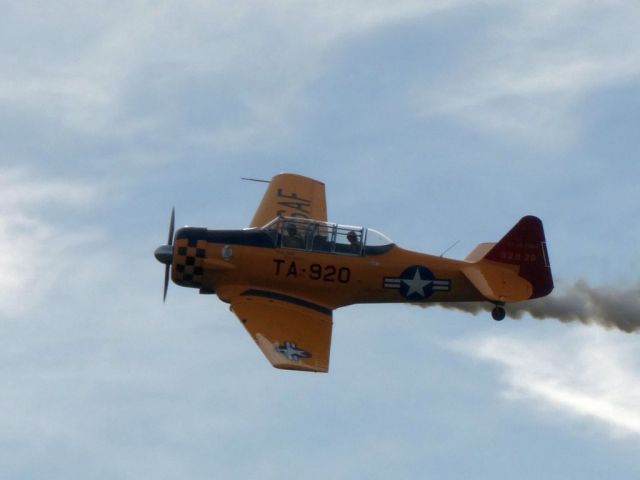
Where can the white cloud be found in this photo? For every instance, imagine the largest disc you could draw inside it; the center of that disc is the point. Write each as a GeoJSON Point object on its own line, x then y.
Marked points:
{"type": "Point", "coordinates": [35, 251]}
{"type": "Point", "coordinates": [537, 63]}
{"type": "Point", "coordinates": [85, 71]}
{"type": "Point", "coordinates": [592, 374]}
{"type": "Point", "coordinates": [21, 190]}
{"type": "Point", "coordinates": [249, 65]}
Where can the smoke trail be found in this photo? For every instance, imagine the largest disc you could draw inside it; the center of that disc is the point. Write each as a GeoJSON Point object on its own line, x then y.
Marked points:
{"type": "Point", "coordinates": [580, 303]}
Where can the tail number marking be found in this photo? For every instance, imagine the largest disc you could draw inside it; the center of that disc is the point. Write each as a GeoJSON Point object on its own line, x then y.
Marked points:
{"type": "Point", "coordinates": [316, 271]}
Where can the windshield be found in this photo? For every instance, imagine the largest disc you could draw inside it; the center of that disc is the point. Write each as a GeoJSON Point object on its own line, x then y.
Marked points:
{"type": "Point", "coordinates": [308, 234]}
{"type": "Point", "coordinates": [376, 239]}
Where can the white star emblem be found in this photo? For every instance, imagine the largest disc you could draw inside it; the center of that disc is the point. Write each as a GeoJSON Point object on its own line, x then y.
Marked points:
{"type": "Point", "coordinates": [416, 284]}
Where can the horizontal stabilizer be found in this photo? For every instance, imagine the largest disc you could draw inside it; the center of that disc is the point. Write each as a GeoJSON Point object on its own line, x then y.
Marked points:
{"type": "Point", "coordinates": [498, 284]}
{"type": "Point", "coordinates": [479, 252]}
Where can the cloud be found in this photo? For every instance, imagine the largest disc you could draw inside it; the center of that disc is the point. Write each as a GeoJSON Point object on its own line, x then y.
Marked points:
{"type": "Point", "coordinates": [220, 74]}
{"type": "Point", "coordinates": [229, 75]}
{"type": "Point", "coordinates": [21, 190]}
{"type": "Point", "coordinates": [591, 374]}
{"type": "Point", "coordinates": [534, 65]}
{"type": "Point", "coordinates": [36, 251]}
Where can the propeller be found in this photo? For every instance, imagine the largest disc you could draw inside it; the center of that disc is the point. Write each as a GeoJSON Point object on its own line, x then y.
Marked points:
{"type": "Point", "coordinates": [164, 254]}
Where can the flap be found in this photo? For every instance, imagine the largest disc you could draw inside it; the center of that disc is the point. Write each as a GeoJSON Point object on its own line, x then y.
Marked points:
{"type": "Point", "coordinates": [292, 333]}
{"type": "Point", "coordinates": [291, 195]}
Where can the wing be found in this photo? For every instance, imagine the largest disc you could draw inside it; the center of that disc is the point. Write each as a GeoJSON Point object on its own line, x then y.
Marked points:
{"type": "Point", "coordinates": [292, 333]}
{"type": "Point", "coordinates": [291, 195]}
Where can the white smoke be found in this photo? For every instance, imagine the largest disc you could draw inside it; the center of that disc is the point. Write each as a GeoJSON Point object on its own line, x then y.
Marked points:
{"type": "Point", "coordinates": [579, 303]}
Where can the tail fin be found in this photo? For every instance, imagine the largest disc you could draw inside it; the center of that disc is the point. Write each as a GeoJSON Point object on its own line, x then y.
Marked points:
{"type": "Point", "coordinates": [526, 246]}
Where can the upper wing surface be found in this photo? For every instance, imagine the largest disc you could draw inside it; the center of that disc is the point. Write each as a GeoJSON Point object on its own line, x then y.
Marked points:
{"type": "Point", "coordinates": [291, 195]}
{"type": "Point", "coordinates": [293, 334]}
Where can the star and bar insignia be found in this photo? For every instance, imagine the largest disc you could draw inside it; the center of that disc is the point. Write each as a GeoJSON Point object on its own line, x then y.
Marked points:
{"type": "Point", "coordinates": [417, 283]}
{"type": "Point", "coordinates": [291, 351]}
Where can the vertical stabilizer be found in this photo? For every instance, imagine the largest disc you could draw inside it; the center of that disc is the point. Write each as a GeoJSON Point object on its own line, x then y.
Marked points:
{"type": "Point", "coordinates": [525, 245]}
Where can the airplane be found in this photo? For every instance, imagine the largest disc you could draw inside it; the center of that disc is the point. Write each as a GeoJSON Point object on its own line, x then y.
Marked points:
{"type": "Point", "coordinates": [285, 275]}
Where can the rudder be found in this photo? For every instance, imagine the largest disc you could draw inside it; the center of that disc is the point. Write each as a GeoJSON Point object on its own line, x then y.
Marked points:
{"type": "Point", "coordinates": [525, 245]}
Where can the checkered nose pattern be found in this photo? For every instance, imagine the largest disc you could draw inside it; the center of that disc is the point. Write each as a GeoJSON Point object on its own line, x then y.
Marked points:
{"type": "Point", "coordinates": [189, 255]}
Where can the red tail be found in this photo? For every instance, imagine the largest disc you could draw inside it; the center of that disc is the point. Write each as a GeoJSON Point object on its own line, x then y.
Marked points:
{"type": "Point", "coordinates": [525, 245]}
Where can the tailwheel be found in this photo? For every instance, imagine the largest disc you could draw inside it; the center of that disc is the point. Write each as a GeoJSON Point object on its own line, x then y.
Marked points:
{"type": "Point", "coordinates": [498, 313]}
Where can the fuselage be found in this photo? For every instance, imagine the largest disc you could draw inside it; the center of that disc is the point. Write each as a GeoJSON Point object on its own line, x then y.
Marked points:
{"type": "Point", "coordinates": [230, 262]}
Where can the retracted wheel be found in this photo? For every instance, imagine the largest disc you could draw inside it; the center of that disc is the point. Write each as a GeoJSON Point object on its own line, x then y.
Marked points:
{"type": "Point", "coordinates": [498, 313]}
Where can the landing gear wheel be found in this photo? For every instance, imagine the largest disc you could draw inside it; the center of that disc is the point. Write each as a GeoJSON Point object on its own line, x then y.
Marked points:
{"type": "Point", "coordinates": [498, 313]}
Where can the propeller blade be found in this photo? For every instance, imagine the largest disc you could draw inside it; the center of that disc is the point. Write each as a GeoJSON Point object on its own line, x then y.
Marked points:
{"type": "Point", "coordinates": [171, 224]}
{"type": "Point", "coordinates": [164, 254]}
{"type": "Point", "coordinates": [166, 283]}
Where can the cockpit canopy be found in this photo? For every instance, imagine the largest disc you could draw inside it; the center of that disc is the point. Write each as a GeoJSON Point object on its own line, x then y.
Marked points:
{"type": "Point", "coordinates": [324, 237]}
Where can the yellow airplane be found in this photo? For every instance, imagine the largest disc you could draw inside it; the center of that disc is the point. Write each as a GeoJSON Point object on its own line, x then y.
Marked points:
{"type": "Point", "coordinates": [285, 275]}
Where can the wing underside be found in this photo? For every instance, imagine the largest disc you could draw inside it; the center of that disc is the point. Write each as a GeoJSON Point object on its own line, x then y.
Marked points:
{"type": "Point", "coordinates": [291, 195]}
{"type": "Point", "coordinates": [292, 333]}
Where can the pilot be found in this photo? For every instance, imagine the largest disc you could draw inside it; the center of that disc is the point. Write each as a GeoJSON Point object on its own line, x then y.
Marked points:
{"type": "Point", "coordinates": [354, 242]}
{"type": "Point", "coordinates": [293, 239]}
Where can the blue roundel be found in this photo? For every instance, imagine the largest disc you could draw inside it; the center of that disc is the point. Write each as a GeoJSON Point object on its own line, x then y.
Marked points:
{"type": "Point", "coordinates": [416, 283]}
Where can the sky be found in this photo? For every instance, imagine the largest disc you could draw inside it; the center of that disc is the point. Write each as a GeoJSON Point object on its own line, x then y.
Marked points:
{"type": "Point", "coordinates": [433, 122]}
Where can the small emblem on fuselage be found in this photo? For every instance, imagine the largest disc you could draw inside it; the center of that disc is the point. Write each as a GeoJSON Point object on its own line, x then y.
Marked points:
{"type": "Point", "coordinates": [291, 351]}
{"type": "Point", "coordinates": [226, 252]}
{"type": "Point", "coordinates": [417, 283]}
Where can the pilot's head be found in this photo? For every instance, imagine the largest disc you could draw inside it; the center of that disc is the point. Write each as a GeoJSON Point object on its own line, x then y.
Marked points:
{"type": "Point", "coordinates": [352, 237]}
{"type": "Point", "coordinates": [291, 229]}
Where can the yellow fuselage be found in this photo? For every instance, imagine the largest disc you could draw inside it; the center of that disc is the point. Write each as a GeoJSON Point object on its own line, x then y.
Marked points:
{"type": "Point", "coordinates": [231, 262]}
